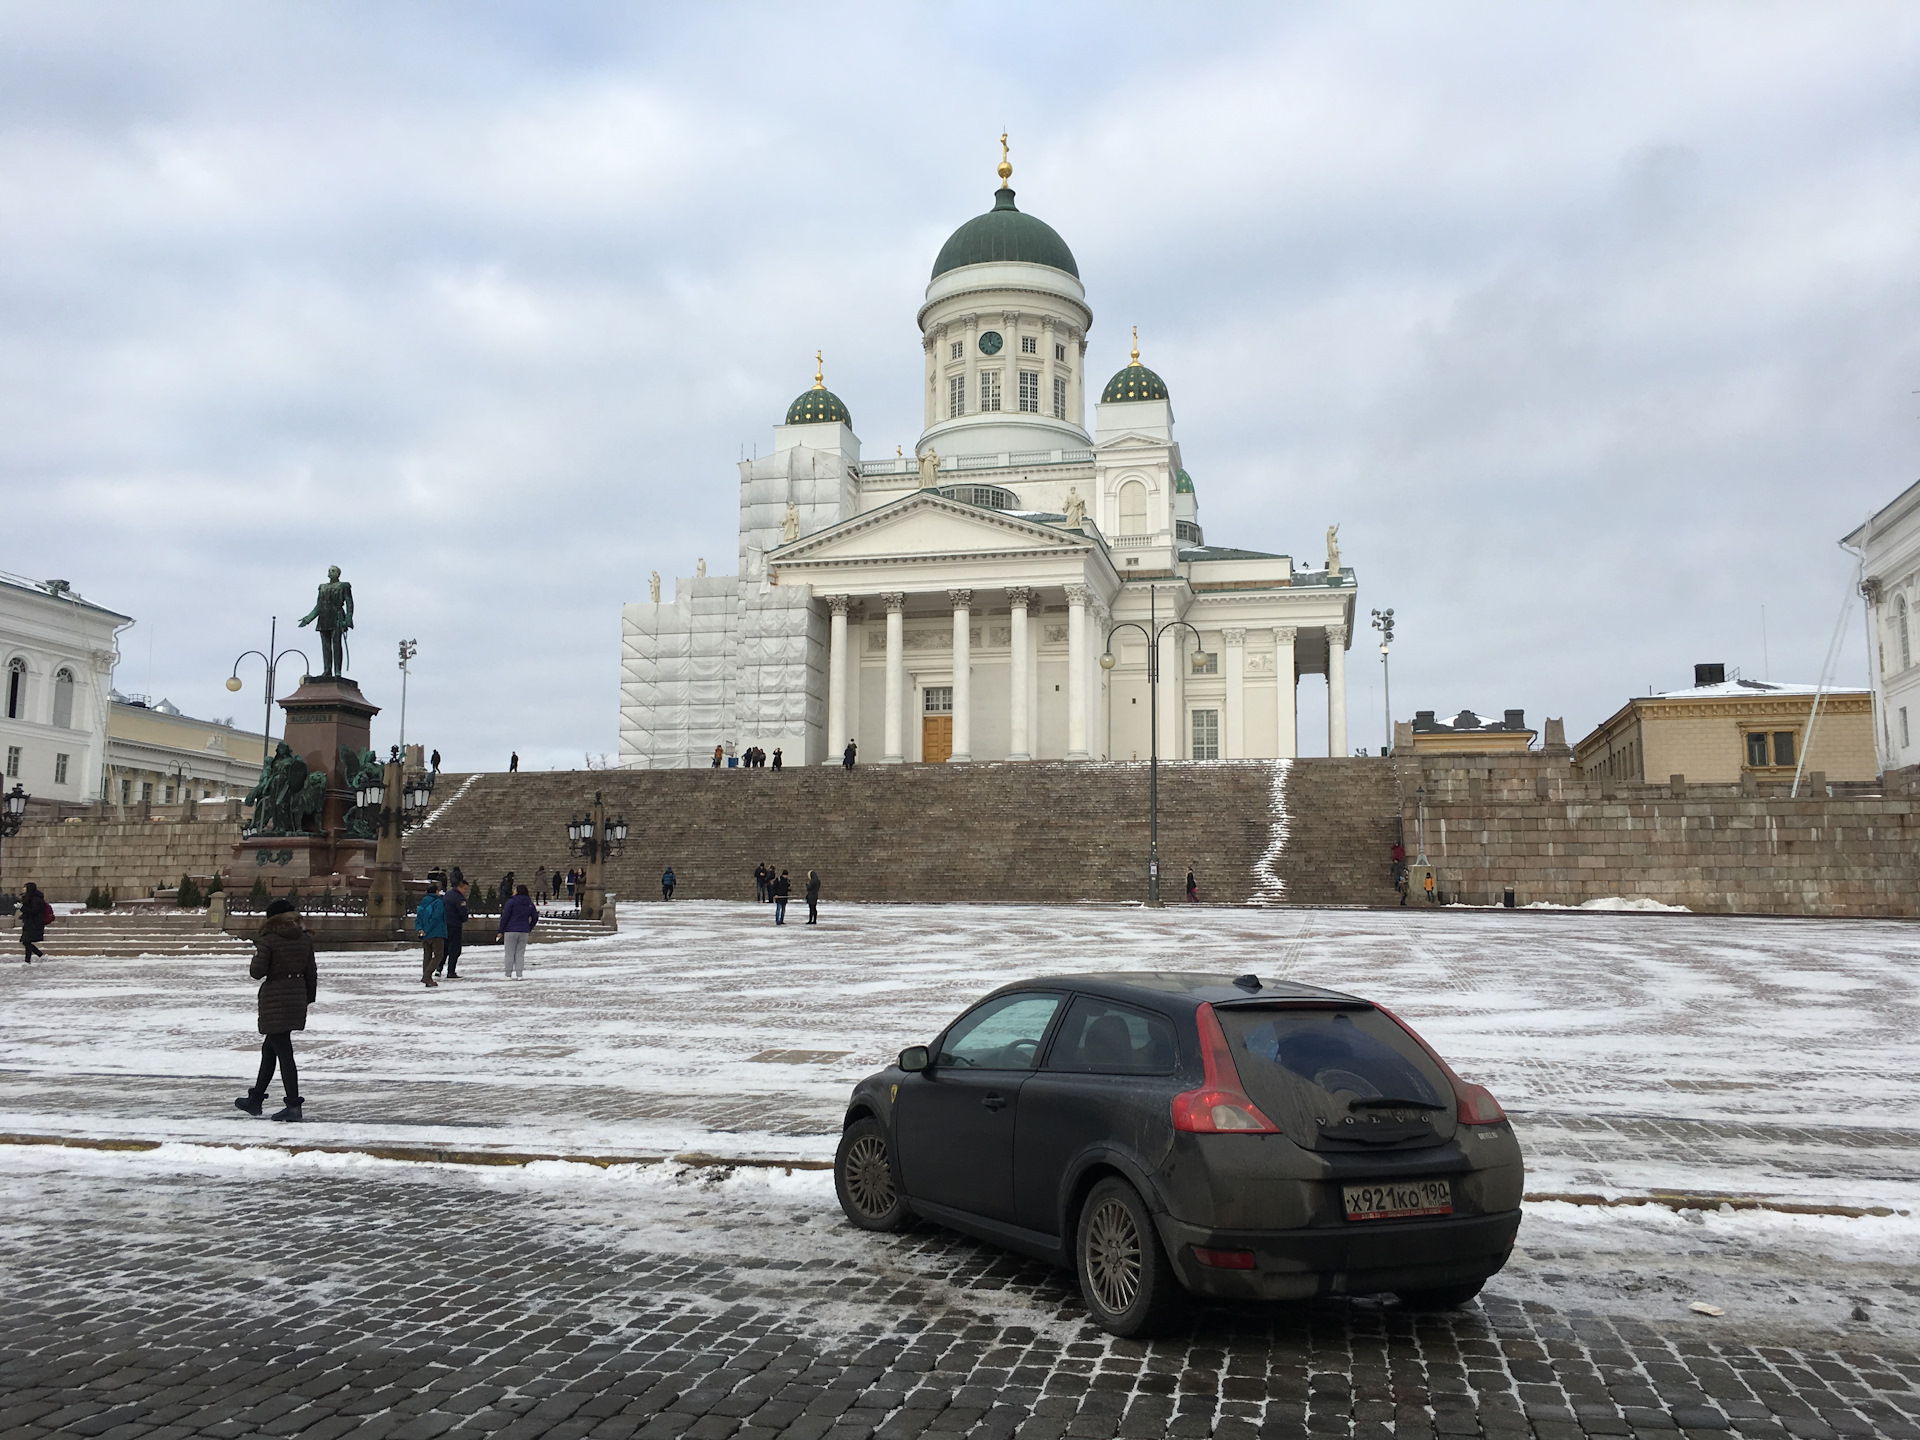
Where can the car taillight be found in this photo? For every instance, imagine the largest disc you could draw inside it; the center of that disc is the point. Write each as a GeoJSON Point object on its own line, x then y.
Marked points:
{"type": "Point", "coordinates": [1220, 1106]}
{"type": "Point", "coordinates": [1472, 1104]}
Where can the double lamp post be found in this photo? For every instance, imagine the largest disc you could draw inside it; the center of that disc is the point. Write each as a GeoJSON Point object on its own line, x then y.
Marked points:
{"type": "Point", "coordinates": [1152, 630]}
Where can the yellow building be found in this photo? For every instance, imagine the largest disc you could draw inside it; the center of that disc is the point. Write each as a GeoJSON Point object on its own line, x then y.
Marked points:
{"type": "Point", "coordinates": [1724, 730]}
{"type": "Point", "coordinates": [156, 754]}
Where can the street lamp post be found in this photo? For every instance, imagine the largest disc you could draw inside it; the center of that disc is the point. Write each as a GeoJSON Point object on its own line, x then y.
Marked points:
{"type": "Point", "coordinates": [13, 813]}
{"type": "Point", "coordinates": [1383, 622]}
{"type": "Point", "coordinates": [597, 838]}
{"type": "Point", "coordinates": [408, 649]}
{"type": "Point", "coordinates": [271, 658]}
{"type": "Point", "coordinates": [401, 803]}
{"type": "Point", "coordinates": [1152, 630]}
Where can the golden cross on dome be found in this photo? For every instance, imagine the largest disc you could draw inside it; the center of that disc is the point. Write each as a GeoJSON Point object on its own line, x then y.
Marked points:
{"type": "Point", "coordinates": [1006, 165]}
{"type": "Point", "coordinates": [1136, 344]}
{"type": "Point", "coordinates": [819, 372]}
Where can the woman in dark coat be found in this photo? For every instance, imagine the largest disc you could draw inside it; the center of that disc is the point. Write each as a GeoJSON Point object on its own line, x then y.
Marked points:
{"type": "Point", "coordinates": [33, 923]}
{"type": "Point", "coordinates": [283, 964]}
{"type": "Point", "coordinates": [813, 897]}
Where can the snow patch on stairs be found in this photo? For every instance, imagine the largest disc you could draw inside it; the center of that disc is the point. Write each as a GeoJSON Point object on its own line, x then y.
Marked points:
{"type": "Point", "coordinates": [1269, 887]}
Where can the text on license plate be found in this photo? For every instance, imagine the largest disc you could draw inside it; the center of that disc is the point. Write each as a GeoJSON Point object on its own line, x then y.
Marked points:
{"type": "Point", "coordinates": [1395, 1201]}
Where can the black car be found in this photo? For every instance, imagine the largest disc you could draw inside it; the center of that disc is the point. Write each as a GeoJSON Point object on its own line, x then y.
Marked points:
{"type": "Point", "coordinates": [1162, 1133]}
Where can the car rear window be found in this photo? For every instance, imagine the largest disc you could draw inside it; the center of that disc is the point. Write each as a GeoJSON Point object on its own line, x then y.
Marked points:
{"type": "Point", "coordinates": [1099, 1037]}
{"type": "Point", "coordinates": [1315, 1066]}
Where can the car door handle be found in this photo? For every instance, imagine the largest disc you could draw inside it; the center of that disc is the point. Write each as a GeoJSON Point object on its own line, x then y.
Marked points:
{"type": "Point", "coordinates": [995, 1102]}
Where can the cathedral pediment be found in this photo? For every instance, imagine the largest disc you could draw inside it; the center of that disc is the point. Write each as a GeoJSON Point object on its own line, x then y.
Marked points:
{"type": "Point", "coordinates": [928, 525]}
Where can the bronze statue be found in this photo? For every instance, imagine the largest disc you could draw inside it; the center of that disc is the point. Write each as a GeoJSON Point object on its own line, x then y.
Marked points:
{"type": "Point", "coordinates": [279, 793]}
{"type": "Point", "coordinates": [333, 607]}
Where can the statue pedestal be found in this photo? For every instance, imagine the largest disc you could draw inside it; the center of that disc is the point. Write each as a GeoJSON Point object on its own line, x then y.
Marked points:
{"type": "Point", "coordinates": [323, 715]}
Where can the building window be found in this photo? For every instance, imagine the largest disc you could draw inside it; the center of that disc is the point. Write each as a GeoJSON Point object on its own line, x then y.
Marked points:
{"type": "Point", "coordinates": [956, 351]}
{"type": "Point", "coordinates": [169, 795]}
{"type": "Point", "coordinates": [1757, 749]}
{"type": "Point", "coordinates": [146, 791]}
{"type": "Point", "coordinates": [59, 769]}
{"type": "Point", "coordinates": [956, 396]}
{"type": "Point", "coordinates": [939, 700]}
{"type": "Point", "coordinates": [989, 390]}
{"type": "Point", "coordinates": [1030, 392]}
{"type": "Point", "coordinates": [1206, 734]}
{"type": "Point", "coordinates": [1133, 508]}
{"type": "Point", "coordinates": [1060, 353]}
{"type": "Point", "coordinates": [126, 791]}
{"type": "Point", "coordinates": [1029, 345]}
{"type": "Point", "coordinates": [1059, 397]}
{"type": "Point", "coordinates": [1206, 662]}
{"type": "Point", "coordinates": [1783, 747]}
{"type": "Point", "coordinates": [13, 762]}
{"type": "Point", "coordinates": [1900, 624]}
{"type": "Point", "coordinates": [63, 699]}
{"type": "Point", "coordinates": [1905, 739]}
{"type": "Point", "coordinates": [16, 689]}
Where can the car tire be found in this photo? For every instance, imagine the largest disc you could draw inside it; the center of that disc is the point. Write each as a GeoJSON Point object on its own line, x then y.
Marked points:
{"type": "Point", "coordinates": [864, 1178]}
{"type": "Point", "coordinates": [1125, 1277]}
{"type": "Point", "coordinates": [1441, 1297]}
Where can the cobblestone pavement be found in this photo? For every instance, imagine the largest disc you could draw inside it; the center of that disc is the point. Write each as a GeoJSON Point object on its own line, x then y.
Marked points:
{"type": "Point", "coordinates": [162, 1298]}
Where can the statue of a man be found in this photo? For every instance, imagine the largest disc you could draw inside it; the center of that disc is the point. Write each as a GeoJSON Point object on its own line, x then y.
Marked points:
{"type": "Point", "coordinates": [333, 608]}
{"type": "Point", "coordinates": [700, 568]}
{"type": "Point", "coordinates": [1076, 508]}
{"type": "Point", "coordinates": [1333, 549]}
{"type": "Point", "coordinates": [790, 524]}
{"type": "Point", "coordinates": [654, 585]}
{"type": "Point", "coordinates": [930, 470]}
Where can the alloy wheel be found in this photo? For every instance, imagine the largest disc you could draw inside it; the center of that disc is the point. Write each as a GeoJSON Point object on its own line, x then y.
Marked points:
{"type": "Point", "coordinates": [1113, 1256]}
{"type": "Point", "coordinates": [869, 1176]}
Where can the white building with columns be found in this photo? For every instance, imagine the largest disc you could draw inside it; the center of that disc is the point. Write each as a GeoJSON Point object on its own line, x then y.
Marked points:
{"type": "Point", "coordinates": [962, 604]}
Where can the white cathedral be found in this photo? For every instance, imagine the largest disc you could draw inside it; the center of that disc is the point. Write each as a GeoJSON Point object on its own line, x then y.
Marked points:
{"type": "Point", "coordinates": [990, 597]}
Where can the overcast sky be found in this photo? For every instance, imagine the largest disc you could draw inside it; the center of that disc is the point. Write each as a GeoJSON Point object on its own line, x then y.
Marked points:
{"type": "Point", "coordinates": [1594, 327]}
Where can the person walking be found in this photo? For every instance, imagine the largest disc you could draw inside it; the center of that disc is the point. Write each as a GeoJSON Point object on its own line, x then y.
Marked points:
{"type": "Point", "coordinates": [283, 964]}
{"type": "Point", "coordinates": [574, 881]}
{"type": "Point", "coordinates": [1427, 885]}
{"type": "Point", "coordinates": [513, 763]}
{"type": "Point", "coordinates": [430, 920]}
{"type": "Point", "coordinates": [782, 888]}
{"type": "Point", "coordinates": [776, 757]}
{"type": "Point", "coordinates": [1193, 886]}
{"type": "Point", "coordinates": [666, 883]}
{"type": "Point", "coordinates": [517, 919]}
{"type": "Point", "coordinates": [719, 755]}
{"type": "Point", "coordinates": [434, 762]}
{"type": "Point", "coordinates": [455, 904]}
{"type": "Point", "coordinates": [35, 913]}
{"type": "Point", "coordinates": [540, 882]}
{"type": "Point", "coordinates": [813, 897]}
{"type": "Point", "coordinates": [760, 891]}
{"type": "Point", "coordinates": [846, 756]}
{"type": "Point", "coordinates": [506, 887]}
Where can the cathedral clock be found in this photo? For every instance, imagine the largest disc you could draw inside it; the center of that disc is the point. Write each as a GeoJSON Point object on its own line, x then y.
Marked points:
{"type": "Point", "coordinates": [990, 343]}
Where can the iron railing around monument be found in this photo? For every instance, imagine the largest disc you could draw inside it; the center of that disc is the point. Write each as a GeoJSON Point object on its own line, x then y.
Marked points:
{"type": "Point", "coordinates": [247, 904]}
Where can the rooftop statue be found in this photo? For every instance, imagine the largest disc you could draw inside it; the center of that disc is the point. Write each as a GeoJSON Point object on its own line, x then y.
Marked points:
{"type": "Point", "coordinates": [930, 470]}
{"type": "Point", "coordinates": [653, 585]}
{"type": "Point", "coordinates": [1075, 508]}
{"type": "Point", "coordinates": [1333, 550]}
{"type": "Point", "coordinates": [790, 525]}
{"type": "Point", "coordinates": [333, 608]}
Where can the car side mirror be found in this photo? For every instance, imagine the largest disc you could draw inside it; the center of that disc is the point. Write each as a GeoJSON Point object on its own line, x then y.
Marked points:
{"type": "Point", "coordinates": [915, 1058]}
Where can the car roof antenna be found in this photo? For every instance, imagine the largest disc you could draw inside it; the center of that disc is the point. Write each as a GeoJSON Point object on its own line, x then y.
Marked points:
{"type": "Point", "coordinates": [1248, 982]}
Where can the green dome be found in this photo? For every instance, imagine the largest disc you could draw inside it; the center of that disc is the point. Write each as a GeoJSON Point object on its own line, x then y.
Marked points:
{"type": "Point", "coordinates": [818, 406]}
{"type": "Point", "coordinates": [1182, 481]}
{"type": "Point", "coordinates": [1136, 382]}
{"type": "Point", "coordinates": [1003, 233]}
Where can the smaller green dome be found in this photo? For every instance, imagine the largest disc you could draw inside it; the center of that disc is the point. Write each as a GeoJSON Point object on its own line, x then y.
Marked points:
{"type": "Point", "coordinates": [818, 406]}
{"type": "Point", "coordinates": [1136, 382]}
{"type": "Point", "coordinates": [1182, 483]}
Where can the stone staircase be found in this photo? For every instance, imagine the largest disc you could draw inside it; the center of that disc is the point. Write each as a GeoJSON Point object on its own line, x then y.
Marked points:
{"type": "Point", "coordinates": [123, 933]}
{"type": "Point", "coordinates": [1343, 816]}
{"type": "Point", "coordinates": [1044, 831]}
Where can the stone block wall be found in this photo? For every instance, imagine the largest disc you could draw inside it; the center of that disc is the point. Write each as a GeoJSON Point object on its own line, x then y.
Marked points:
{"type": "Point", "coordinates": [68, 858]}
{"type": "Point", "coordinates": [1525, 822]}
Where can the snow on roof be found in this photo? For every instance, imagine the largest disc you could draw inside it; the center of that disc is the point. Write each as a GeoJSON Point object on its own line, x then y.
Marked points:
{"type": "Point", "coordinates": [1751, 689]}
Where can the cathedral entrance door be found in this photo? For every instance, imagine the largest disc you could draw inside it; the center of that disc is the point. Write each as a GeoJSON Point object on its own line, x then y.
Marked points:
{"type": "Point", "coordinates": [936, 724]}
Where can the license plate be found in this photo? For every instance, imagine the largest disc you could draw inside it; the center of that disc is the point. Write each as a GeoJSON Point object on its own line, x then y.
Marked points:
{"type": "Point", "coordinates": [1398, 1200]}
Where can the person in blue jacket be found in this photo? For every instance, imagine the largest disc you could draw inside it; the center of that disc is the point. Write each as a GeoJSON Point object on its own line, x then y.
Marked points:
{"type": "Point", "coordinates": [666, 883]}
{"type": "Point", "coordinates": [431, 921]}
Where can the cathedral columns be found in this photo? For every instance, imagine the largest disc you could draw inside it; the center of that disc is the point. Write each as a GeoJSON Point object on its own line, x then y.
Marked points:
{"type": "Point", "coordinates": [1018, 746]}
{"type": "Point", "coordinates": [1233, 728]}
{"type": "Point", "coordinates": [1077, 660]}
{"type": "Point", "coordinates": [836, 678]}
{"type": "Point", "coordinates": [896, 603]}
{"type": "Point", "coordinates": [962, 675]}
{"type": "Point", "coordinates": [1287, 706]}
{"type": "Point", "coordinates": [1336, 689]}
